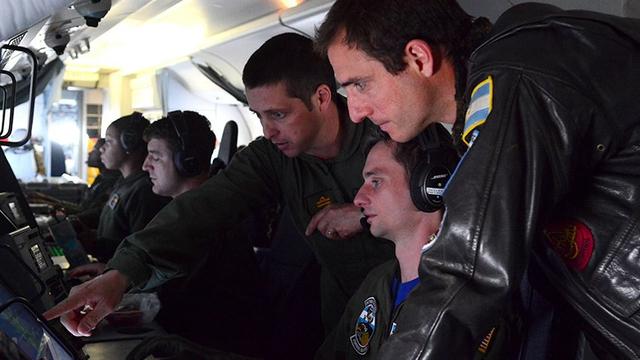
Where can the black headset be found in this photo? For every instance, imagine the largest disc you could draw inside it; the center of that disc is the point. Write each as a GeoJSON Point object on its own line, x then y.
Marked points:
{"type": "Point", "coordinates": [432, 172]}
{"type": "Point", "coordinates": [184, 158]}
{"type": "Point", "coordinates": [131, 136]}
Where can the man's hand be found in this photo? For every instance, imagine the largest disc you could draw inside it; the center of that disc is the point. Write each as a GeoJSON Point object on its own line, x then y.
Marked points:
{"type": "Point", "coordinates": [90, 302]}
{"type": "Point", "coordinates": [336, 221]}
{"type": "Point", "coordinates": [92, 270]}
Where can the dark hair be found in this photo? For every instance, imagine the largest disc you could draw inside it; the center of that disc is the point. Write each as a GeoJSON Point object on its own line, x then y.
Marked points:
{"type": "Point", "coordinates": [134, 124]}
{"type": "Point", "coordinates": [290, 58]}
{"type": "Point", "coordinates": [200, 137]}
{"type": "Point", "coordinates": [382, 28]}
{"type": "Point", "coordinates": [408, 154]}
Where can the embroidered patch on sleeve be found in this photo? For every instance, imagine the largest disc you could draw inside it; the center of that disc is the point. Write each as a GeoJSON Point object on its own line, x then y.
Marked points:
{"type": "Point", "coordinates": [365, 327]}
{"type": "Point", "coordinates": [479, 109]}
{"type": "Point", "coordinates": [572, 241]}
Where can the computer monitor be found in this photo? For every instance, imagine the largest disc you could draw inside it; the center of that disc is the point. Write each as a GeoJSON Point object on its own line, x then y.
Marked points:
{"type": "Point", "coordinates": [28, 270]}
{"type": "Point", "coordinates": [32, 337]}
{"type": "Point", "coordinates": [65, 237]}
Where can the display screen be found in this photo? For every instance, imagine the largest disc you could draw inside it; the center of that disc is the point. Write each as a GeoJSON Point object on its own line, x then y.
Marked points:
{"type": "Point", "coordinates": [65, 236]}
{"type": "Point", "coordinates": [32, 338]}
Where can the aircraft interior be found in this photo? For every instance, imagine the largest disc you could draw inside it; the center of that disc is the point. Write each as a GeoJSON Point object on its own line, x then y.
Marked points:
{"type": "Point", "coordinates": [68, 69]}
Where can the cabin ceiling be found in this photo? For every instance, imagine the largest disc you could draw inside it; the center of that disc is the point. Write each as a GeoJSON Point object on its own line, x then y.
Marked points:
{"type": "Point", "coordinates": [136, 35]}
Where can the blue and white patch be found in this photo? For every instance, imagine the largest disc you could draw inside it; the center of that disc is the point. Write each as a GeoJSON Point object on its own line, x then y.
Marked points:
{"type": "Point", "coordinates": [479, 109]}
{"type": "Point", "coordinates": [365, 327]}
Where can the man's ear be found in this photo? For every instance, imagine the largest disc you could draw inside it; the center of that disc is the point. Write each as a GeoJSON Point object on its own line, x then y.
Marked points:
{"type": "Point", "coordinates": [422, 57]}
{"type": "Point", "coordinates": [322, 97]}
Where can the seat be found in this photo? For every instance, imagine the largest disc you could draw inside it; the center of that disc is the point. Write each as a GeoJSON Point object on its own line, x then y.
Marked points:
{"type": "Point", "coordinates": [228, 147]}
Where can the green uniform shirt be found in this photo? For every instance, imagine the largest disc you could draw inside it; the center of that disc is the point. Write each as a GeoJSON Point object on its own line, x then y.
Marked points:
{"type": "Point", "coordinates": [367, 318]}
{"type": "Point", "coordinates": [131, 205]}
{"type": "Point", "coordinates": [259, 175]}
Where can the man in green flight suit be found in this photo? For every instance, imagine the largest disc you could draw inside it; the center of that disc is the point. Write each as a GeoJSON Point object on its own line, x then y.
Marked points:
{"type": "Point", "coordinates": [310, 158]}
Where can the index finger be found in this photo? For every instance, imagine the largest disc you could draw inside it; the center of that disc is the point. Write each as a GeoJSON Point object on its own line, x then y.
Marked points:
{"type": "Point", "coordinates": [313, 223]}
{"type": "Point", "coordinates": [69, 304]}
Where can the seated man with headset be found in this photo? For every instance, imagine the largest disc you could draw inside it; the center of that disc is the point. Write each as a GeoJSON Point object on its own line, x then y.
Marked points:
{"type": "Point", "coordinates": [401, 201]}
{"type": "Point", "coordinates": [221, 305]}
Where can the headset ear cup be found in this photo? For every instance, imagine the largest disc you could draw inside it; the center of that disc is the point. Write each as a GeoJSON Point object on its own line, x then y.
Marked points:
{"type": "Point", "coordinates": [187, 165]}
{"type": "Point", "coordinates": [427, 186]}
{"type": "Point", "coordinates": [130, 140]}
{"type": "Point", "coordinates": [417, 183]}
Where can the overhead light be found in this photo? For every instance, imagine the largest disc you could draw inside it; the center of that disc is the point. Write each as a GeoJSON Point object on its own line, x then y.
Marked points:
{"type": "Point", "coordinates": [73, 53]}
{"type": "Point", "coordinates": [288, 4]}
{"type": "Point", "coordinates": [83, 46]}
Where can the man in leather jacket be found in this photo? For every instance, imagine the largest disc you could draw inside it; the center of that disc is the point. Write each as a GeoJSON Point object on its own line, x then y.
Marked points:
{"type": "Point", "coordinates": [546, 104]}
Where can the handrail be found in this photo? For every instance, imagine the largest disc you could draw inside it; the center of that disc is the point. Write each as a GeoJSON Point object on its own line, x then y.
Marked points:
{"type": "Point", "coordinates": [4, 104]}
{"type": "Point", "coordinates": [32, 93]}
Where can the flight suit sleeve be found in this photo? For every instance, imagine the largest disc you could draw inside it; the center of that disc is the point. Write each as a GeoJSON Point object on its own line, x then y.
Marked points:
{"type": "Point", "coordinates": [171, 245]}
{"type": "Point", "coordinates": [522, 162]}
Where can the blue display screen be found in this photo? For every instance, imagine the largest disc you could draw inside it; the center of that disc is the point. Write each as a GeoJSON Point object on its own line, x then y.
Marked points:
{"type": "Point", "coordinates": [31, 336]}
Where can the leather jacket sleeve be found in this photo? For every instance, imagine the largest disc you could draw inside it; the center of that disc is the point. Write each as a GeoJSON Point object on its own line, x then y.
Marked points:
{"type": "Point", "coordinates": [521, 163]}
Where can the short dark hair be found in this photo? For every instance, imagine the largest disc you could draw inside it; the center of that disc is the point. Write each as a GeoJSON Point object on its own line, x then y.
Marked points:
{"type": "Point", "coordinates": [290, 58]}
{"type": "Point", "coordinates": [408, 154]}
{"type": "Point", "coordinates": [382, 28]}
{"type": "Point", "coordinates": [200, 137]}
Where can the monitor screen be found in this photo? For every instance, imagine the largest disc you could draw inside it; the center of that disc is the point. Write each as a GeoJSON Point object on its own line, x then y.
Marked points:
{"type": "Point", "coordinates": [65, 236]}
{"type": "Point", "coordinates": [33, 339]}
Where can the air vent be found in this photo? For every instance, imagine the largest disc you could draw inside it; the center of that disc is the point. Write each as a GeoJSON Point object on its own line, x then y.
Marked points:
{"type": "Point", "coordinates": [6, 54]}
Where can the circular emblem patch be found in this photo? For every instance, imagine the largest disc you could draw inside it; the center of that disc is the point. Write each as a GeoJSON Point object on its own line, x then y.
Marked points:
{"type": "Point", "coordinates": [365, 327]}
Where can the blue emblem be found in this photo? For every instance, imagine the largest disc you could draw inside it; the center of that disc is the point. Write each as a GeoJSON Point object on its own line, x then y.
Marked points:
{"type": "Point", "coordinates": [365, 327]}
{"type": "Point", "coordinates": [479, 109]}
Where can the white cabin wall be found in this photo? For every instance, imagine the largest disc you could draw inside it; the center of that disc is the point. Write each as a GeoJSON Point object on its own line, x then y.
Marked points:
{"type": "Point", "coordinates": [178, 97]}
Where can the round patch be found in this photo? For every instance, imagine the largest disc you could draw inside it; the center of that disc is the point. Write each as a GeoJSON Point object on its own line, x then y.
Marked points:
{"type": "Point", "coordinates": [365, 327]}
{"type": "Point", "coordinates": [573, 241]}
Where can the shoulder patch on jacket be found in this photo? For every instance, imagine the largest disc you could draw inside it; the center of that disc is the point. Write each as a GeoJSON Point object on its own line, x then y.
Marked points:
{"type": "Point", "coordinates": [365, 326]}
{"type": "Point", "coordinates": [479, 109]}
